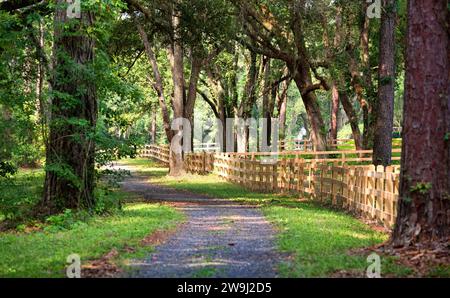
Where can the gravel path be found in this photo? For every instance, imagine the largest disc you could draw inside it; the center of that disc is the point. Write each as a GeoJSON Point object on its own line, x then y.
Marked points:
{"type": "Point", "coordinates": [218, 239]}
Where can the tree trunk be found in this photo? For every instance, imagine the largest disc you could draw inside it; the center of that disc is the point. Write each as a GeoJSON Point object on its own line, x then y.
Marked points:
{"type": "Point", "coordinates": [176, 166]}
{"type": "Point", "coordinates": [424, 205]}
{"type": "Point", "coordinates": [217, 103]}
{"type": "Point", "coordinates": [300, 69]}
{"type": "Point", "coordinates": [352, 118]}
{"type": "Point", "coordinates": [158, 82]}
{"type": "Point", "coordinates": [334, 88]}
{"type": "Point", "coordinates": [302, 78]}
{"type": "Point", "coordinates": [334, 112]}
{"type": "Point", "coordinates": [359, 91]}
{"type": "Point", "coordinates": [266, 109]}
{"type": "Point", "coordinates": [384, 109]}
{"type": "Point", "coordinates": [368, 118]}
{"type": "Point", "coordinates": [282, 108]}
{"type": "Point", "coordinates": [248, 100]}
{"type": "Point", "coordinates": [69, 181]}
{"type": "Point", "coordinates": [196, 64]}
{"type": "Point", "coordinates": [153, 127]}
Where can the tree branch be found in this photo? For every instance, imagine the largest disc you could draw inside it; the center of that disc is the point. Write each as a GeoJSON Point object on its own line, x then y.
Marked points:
{"type": "Point", "coordinates": [311, 88]}
{"type": "Point", "coordinates": [132, 63]}
{"type": "Point", "coordinates": [209, 102]}
{"type": "Point", "coordinates": [138, 6]}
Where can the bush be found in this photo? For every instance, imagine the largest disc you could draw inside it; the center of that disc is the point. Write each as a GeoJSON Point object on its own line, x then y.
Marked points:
{"type": "Point", "coordinates": [66, 220]}
{"type": "Point", "coordinates": [19, 193]}
{"type": "Point", "coordinates": [7, 169]}
{"type": "Point", "coordinates": [107, 201]}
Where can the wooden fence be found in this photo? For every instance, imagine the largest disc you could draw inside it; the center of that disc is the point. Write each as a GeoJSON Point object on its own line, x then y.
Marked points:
{"type": "Point", "coordinates": [335, 157]}
{"type": "Point", "coordinates": [295, 145]}
{"type": "Point", "coordinates": [199, 163]}
{"type": "Point", "coordinates": [369, 191]}
{"type": "Point", "coordinates": [160, 153]}
{"type": "Point", "coordinates": [329, 177]}
{"type": "Point", "coordinates": [307, 145]}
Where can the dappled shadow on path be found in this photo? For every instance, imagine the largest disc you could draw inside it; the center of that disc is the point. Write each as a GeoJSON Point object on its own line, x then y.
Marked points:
{"type": "Point", "coordinates": [216, 241]}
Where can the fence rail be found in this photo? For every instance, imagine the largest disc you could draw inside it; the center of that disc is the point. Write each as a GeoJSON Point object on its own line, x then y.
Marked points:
{"type": "Point", "coordinates": [160, 153]}
{"type": "Point", "coordinates": [297, 145]}
{"type": "Point", "coordinates": [364, 189]}
{"type": "Point", "coordinates": [336, 157]}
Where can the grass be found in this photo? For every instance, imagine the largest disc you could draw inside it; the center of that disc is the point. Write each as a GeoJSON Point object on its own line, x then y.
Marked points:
{"type": "Point", "coordinates": [317, 238]}
{"type": "Point", "coordinates": [206, 272]}
{"type": "Point", "coordinates": [19, 193]}
{"type": "Point", "coordinates": [320, 239]}
{"type": "Point", "coordinates": [40, 249]}
{"type": "Point", "coordinates": [43, 254]}
{"type": "Point", "coordinates": [350, 145]}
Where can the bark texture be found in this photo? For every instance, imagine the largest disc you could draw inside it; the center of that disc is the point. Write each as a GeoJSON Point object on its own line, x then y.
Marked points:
{"type": "Point", "coordinates": [352, 118]}
{"type": "Point", "coordinates": [176, 164]}
{"type": "Point", "coordinates": [384, 109]}
{"type": "Point", "coordinates": [69, 181]}
{"type": "Point", "coordinates": [424, 206]}
{"type": "Point", "coordinates": [334, 112]}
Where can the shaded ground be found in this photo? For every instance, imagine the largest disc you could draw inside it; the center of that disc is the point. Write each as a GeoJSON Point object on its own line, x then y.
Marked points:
{"type": "Point", "coordinates": [219, 238]}
{"type": "Point", "coordinates": [139, 183]}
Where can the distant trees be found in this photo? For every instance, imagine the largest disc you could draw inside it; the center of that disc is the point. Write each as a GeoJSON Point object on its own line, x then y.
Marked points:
{"type": "Point", "coordinates": [318, 55]}
{"type": "Point", "coordinates": [330, 48]}
{"type": "Point", "coordinates": [180, 102]}
{"type": "Point", "coordinates": [282, 36]}
{"type": "Point", "coordinates": [21, 70]}
{"type": "Point", "coordinates": [424, 205]}
{"type": "Point", "coordinates": [180, 27]}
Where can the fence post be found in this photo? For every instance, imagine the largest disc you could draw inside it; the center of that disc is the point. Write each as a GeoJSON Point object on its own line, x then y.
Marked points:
{"type": "Point", "coordinates": [274, 177]}
{"type": "Point", "coordinates": [388, 200]}
{"type": "Point", "coordinates": [204, 162]}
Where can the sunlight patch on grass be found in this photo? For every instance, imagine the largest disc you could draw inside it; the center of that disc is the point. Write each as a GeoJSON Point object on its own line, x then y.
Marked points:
{"type": "Point", "coordinates": [43, 254]}
{"type": "Point", "coordinates": [320, 240]}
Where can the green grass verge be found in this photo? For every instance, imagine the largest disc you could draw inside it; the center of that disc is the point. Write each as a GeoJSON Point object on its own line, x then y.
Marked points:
{"type": "Point", "coordinates": [320, 239]}
{"type": "Point", "coordinates": [43, 254]}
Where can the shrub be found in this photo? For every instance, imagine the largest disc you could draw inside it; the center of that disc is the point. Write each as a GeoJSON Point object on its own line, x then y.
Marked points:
{"type": "Point", "coordinates": [7, 169]}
